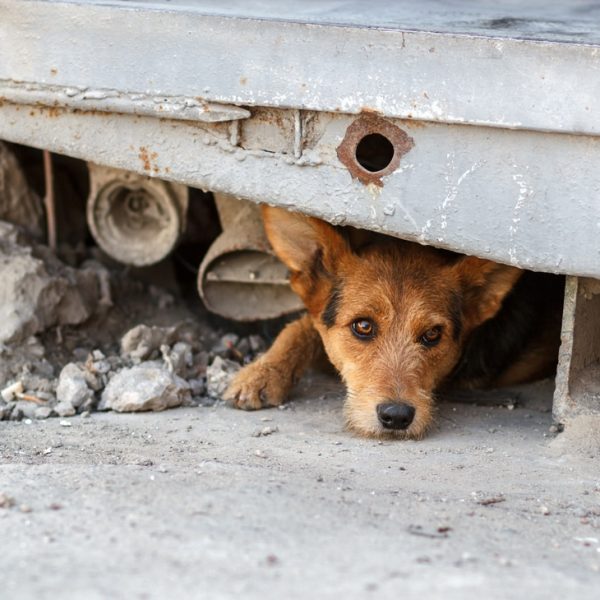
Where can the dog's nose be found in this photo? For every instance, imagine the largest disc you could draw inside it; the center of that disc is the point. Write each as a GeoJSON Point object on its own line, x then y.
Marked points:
{"type": "Point", "coordinates": [395, 415]}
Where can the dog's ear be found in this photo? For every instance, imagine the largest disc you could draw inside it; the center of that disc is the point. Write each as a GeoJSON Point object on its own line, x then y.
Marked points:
{"type": "Point", "coordinates": [309, 247]}
{"type": "Point", "coordinates": [485, 285]}
{"type": "Point", "coordinates": [300, 241]}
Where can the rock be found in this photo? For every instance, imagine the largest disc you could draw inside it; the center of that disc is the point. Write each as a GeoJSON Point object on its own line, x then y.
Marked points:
{"type": "Point", "coordinates": [39, 384]}
{"type": "Point", "coordinates": [178, 358]}
{"type": "Point", "coordinates": [197, 386]}
{"type": "Point", "coordinates": [101, 366]}
{"type": "Point", "coordinates": [219, 375]}
{"type": "Point", "coordinates": [27, 409]}
{"type": "Point", "coordinates": [141, 341]}
{"type": "Point", "coordinates": [38, 291]}
{"type": "Point", "coordinates": [42, 412]}
{"type": "Point", "coordinates": [72, 389]}
{"type": "Point", "coordinates": [98, 355]}
{"type": "Point", "coordinates": [81, 354]}
{"type": "Point", "coordinates": [19, 204]}
{"type": "Point", "coordinates": [265, 431]}
{"type": "Point", "coordinates": [64, 409]}
{"type": "Point", "coordinates": [6, 501]}
{"type": "Point", "coordinates": [225, 345]}
{"type": "Point", "coordinates": [103, 275]}
{"type": "Point", "coordinates": [144, 387]}
{"type": "Point", "coordinates": [16, 414]}
{"type": "Point", "coordinates": [201, 360]}
{"type": "Point", "coordinates": [95, 372]}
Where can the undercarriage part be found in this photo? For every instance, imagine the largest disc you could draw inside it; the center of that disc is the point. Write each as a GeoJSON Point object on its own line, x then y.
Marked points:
{"type": "Point", "coordinates": [49, 200]}
{"type": "Point", "coordinates": [135, 219]}
{"type": "Point", "coordinates": [240, 278]}
{"type": "Point", "coordinates": [578, 377]}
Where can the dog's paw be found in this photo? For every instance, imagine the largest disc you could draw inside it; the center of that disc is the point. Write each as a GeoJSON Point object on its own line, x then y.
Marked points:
{"type": "Point", "coordinates": [257, 386]}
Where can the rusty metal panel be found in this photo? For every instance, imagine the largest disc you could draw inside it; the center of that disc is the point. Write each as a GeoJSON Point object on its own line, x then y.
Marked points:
{"type": "Point", "coordinates": [497, 64]}
{"type": "Point", "coordinates": [525, 198]}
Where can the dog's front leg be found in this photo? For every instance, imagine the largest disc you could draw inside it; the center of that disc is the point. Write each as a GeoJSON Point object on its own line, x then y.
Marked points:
{"type": "Point", "coordinates": [268, 380]}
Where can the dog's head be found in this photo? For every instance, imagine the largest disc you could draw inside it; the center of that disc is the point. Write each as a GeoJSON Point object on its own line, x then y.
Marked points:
{"type": "Point", "coordinates": [393, 315]}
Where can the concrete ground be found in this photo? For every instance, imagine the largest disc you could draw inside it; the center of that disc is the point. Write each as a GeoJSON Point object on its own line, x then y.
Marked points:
{"type": "Point", "coordinates": [190, 504]}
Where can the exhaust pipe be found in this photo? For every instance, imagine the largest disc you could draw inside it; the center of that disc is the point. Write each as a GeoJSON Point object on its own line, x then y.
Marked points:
{"type": "Point", "coordinates": [240, 278]}
{"type": "Point", "coordinates": [136, 220]}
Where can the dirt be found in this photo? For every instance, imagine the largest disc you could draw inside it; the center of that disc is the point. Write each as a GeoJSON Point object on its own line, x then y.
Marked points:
{"type": "Point", "coordinates": [190, 503]}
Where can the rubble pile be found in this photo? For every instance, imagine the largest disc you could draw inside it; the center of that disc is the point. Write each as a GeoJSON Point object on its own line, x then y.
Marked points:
{"type": "Point", "coordinates": [79, 332]}
{"type": "Point", "coordinates": [67, 347]}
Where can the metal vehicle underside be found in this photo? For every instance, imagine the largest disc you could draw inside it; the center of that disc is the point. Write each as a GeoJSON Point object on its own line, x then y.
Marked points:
{"type": "Point", "coordinates": [468, 126]}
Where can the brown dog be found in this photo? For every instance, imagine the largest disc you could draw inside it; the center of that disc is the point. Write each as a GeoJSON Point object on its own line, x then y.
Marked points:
{"type": "Point", "coordinates": [400, 321]}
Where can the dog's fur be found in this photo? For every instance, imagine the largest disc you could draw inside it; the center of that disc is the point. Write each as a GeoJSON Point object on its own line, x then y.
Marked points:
{"type": "Point", "coordinates": [436, 319]}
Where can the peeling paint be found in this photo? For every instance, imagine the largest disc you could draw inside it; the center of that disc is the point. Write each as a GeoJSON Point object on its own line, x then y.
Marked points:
{"type": "Point", "coordinates": [452, 189]}
{"type": "Point", "coordinates": [109, 101]}
{"type": "Point", "coordinates": [525, 192]}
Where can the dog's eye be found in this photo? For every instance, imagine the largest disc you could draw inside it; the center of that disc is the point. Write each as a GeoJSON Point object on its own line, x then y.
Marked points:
{"type": "Point", "coordinates": [432, 336]}
{"type": "Point", "coordinates": [363, 329]}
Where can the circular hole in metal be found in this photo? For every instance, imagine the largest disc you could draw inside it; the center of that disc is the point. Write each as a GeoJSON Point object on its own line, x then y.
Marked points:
{"type": "Point", "coordinates": [374, 152]}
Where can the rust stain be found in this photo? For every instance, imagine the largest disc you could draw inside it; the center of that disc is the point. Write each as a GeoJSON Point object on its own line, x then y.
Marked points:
{"type": "Point", "coordinates": [413, 123]}
{"type": "Point", "coordinates": [53, 111]}
{"type": "Point", "coordinates": [147, 159]}
{"type": "Point", "coordinates": [91, 111]}
{"type": "Point", "coordinates": [365, 125]}
{"type": "Point", "coordinates": [368, 110]}
{"type": "Point", "coordinates": [143, 155]}
{"type": "Point", "coordinates": [53, 71]}
{"type": "Point", "coordinates": [243, 80]}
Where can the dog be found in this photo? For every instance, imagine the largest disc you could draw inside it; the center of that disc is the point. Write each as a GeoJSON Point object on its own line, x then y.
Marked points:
{"type": "Point", "coordinates": [400, 322]}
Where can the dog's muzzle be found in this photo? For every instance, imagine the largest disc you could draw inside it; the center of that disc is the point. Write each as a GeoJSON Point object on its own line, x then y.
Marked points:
{"type": "Point", "coordinates": [395, 415]}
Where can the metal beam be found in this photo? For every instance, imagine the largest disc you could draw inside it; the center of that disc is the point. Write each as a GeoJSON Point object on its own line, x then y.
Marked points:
{"type": "Point", "coordinates": [578, 378]}
{"type": "Point", "coordinates": [255, 57]}
{"type": "Point", "coordinates": [523, 198]}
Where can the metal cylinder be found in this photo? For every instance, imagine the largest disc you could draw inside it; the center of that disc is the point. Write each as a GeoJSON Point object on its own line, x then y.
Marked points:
{"type": "Point", "coordinates": [135, 219]}
{"type": "Point", "coordinates": [240, 277]}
